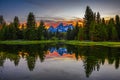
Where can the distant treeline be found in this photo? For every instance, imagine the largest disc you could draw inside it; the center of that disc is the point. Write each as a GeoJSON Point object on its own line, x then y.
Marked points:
{"type": "Point", "coordinates": [95, 28]}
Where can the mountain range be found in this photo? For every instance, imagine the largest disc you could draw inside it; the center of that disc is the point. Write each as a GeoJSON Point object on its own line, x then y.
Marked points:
{"type": "Point", "coordinates": [60, 28]}
{"type": "Point", "coordinates": [60, 51]}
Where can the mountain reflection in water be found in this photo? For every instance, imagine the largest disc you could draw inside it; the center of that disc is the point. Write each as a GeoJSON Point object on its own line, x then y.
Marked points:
{"type": "Point", "coordinates": [91, 58]}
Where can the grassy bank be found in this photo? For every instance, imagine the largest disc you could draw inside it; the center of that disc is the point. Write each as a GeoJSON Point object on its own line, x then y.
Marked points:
{"type": "Point", "coordinates": [23, 42]}
{"type": "Point", "coordinates": [82, 43]}
{"type": "Point", "coordinates": [90, 43]}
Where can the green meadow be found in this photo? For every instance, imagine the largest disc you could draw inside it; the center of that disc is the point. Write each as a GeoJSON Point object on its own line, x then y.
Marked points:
{"type": "Point", "coordinates": [82, 43]}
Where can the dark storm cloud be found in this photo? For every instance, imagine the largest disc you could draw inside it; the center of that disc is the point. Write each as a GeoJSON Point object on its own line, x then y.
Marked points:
{"type": "Point", "coordinates": [52, 6]}
{"type": "Point", "coordinates": [52, 2]}
{"type": "Point", "coordinates": [57, 8]}
{"type": "Point", "coordinates": [61, 4]}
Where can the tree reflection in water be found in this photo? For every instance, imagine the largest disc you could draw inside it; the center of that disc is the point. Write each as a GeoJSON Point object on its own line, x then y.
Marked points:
{"type": "Point", "coordinates": [92, 56]}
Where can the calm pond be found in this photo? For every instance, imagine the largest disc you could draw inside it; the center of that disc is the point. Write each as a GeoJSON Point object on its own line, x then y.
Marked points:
{"type": "Point", "coordinates": [59, 62]}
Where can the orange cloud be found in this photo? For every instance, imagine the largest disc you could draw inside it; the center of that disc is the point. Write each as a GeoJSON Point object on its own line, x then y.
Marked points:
{"type": "Point", "coordinates": [57, 21]}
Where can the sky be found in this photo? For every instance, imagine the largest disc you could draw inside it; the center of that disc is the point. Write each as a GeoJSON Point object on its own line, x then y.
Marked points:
{"type": "Point", "coordinates": [56, 9]}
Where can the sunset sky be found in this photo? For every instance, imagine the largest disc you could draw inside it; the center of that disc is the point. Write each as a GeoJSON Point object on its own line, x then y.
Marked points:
{"type": "Point", "coordinates": [56, 9]}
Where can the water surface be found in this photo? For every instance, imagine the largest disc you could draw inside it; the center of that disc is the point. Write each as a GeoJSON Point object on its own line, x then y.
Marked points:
{"type": "Point", "coordinates": [59, 62]}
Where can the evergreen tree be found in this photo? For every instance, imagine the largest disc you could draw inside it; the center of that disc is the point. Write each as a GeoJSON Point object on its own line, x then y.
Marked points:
{"type": "Point", "coordinates": [89, 17]}
{"type": "Point", "coordinates": [41, 31]}
{"type": "Point", "coordinates": [21, 32]}
{"type": "Point", "coordinates": [7, 32]}
{"type": "Point", "coordinates": [69, 34]}
{"type": "Point", "coordinates": [80, 34]}
{"type": "Point", "coordinates": [98, 18]}
{"type": "Point", "coordinates": [112, 32]}
{"type": "Point", "coordinates": [117, 19]}
{"type": "Point", "coordinates": [46, 34]}
{"type": "Point", "coordinates": [94, 17]}
{"type": "Point", "coordinates": [104, 35]}
{"type": "Point", "coordinates": [3, 32]}
{"type": "Point", "coordinates": [2, 27]}
{"type": "Point", "coordinates": [2, 21]}
{"type": "Point", "coordinates": [103, 21]}
{"type": "Point", "coordinates": [16, 22]}
{"type": "Point", "coordinates": [98, 32]}
{"type": "Point", "coordinates": [109, 28]}
{"type": "Point", "coordinates": [101, 29]}
{"type": "Point", "coordinates": [93, 31]}
{"type": "Point", "coordinates": [16, 25]}
{"type": "Point", "coordinates": [76, 30]}
{"type": "Point", "coordinates": [58, 34]}
{"type": "Point", "coordinates": [31, 25]}
{"type": "Point", "coordinates": [12, 32]}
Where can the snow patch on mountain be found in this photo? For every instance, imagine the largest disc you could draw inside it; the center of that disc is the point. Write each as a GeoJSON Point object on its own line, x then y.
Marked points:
{"type": "Point", "coordinates": [60, 28]}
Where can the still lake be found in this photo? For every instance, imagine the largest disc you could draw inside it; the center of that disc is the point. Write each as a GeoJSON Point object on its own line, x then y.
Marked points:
{"type": "Point", "coordinates": [59, 62]}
